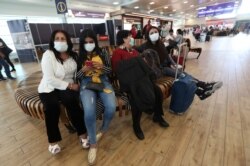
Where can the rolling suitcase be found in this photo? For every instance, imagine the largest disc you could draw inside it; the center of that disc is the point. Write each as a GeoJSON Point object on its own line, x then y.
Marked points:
{"type": "Point", "coordinates": [183, 90]}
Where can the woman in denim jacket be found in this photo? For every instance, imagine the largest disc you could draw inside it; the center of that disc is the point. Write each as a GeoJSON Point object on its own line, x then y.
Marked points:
{"type": "Point", "coordinates": [92, 70]}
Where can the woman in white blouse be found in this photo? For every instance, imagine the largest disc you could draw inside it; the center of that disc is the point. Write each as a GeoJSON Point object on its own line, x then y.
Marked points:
{"type": "Point", "coordinates": [57, 85]}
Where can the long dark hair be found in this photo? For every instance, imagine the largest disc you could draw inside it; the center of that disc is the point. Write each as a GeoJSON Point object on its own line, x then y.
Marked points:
{"type": "Point", "coordinates": [82, 51]}
{"type": "Point", "coordinates": [69, 51]}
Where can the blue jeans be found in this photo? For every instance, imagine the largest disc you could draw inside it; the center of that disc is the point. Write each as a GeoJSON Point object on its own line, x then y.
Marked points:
{"type": "Point", "coordinates": [88, 99]}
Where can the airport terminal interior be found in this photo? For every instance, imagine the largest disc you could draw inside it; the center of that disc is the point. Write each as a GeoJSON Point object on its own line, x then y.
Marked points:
{"type": "Point", "coordinates": [214, 131]}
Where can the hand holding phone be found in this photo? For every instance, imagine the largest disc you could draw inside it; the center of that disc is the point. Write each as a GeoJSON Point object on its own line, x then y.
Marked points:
{"type": "Point", "coordinates": [89, 63]}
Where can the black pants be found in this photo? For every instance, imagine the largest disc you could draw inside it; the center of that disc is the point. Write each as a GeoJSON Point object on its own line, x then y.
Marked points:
{"type": "Point", "coordinates": [51, 102]}
{"type": "Point", "coordinates": [7, 58]}
{"type": "Point", "coordinates": [157, 110]}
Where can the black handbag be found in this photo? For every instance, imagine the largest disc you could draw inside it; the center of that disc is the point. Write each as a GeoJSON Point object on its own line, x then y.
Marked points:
{"type": "Point", "coordinates": [95, 86]}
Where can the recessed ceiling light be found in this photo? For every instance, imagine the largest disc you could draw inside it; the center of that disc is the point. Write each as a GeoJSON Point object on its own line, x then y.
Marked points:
{"type": "Point", "coordinates": [115, 3]}
{"type": "Point", "coordinates": [174, 10]}
{"type": "Point", "coordinates": [170, 14]}
{"type": "Point", "coordinates": [161, 12]}
{"type": "Point", "coordinates": [165, 7]}
{"type": "Point", "coordinates": [182, 12]}
{"type": "Point", "coordinates": [136, 7]}
{"type": "Point", "coordinates": [191, 5]}
{"type": "Point", "coordinates": [236, 1]}
{"type": "Point", "coordinates": [185, 2]}
{"type": "Point", "coordinates": [151, 3]}
{"type": "Point", "coordinates": [151, 11]}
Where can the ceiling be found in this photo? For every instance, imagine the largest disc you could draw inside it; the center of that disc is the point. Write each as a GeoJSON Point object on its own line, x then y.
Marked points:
{"type": "Point", "coordinates": [163, 8]}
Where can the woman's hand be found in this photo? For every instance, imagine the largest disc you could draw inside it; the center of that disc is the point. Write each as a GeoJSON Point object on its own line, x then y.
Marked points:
{"type": "Point", "coordinates": [73, 86]}
{"type": "Point", "coordinates": [86, 68]}
{"type": "Point", "coordinates": [97, 65]}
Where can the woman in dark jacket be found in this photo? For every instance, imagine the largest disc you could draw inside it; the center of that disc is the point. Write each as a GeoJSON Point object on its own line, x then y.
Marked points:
{"type": "Point", "coordinates": [125, 52]}
{"type": "Point", "coordinates": [204, 89]}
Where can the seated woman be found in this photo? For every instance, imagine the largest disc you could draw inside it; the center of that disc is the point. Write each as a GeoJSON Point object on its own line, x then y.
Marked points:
{"type": "Point", "coordinates": [204, 89]}
{"type": "Point", "coordinates": [57, 85]}
{"type": "Point", "coordinates": [125, 52]}
{"type": "Point", "coordinates": [92, 74]}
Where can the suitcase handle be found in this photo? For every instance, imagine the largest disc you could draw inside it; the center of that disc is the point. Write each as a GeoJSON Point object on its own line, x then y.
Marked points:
{"type": "Point", "coordinates": [178, 57]}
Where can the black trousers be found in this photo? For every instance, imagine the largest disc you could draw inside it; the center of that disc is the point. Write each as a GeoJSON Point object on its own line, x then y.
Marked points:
{"type": "Point", "coordinates": [51, 102]}
{"type": "Point", "coordinates": [157, 110]}
{"type": "Point", "coordinates": [7, 58]}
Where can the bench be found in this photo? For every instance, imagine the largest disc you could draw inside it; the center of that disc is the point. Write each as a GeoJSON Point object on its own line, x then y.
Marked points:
{"type": "Point", "coordinates": [27, 97]}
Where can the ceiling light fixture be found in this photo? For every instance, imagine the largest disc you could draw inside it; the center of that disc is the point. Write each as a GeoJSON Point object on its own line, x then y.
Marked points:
{"type": "Point", "coordinates": [151, 3]}
{"type": "Point", "coordinates": [136, 7]}
{"type": "Point", "coordinates": [165, 7]}
{"type": "Point", "coordinates": [151, 11]}
{"type": "Point", "coordinates": [174, 10]}
{"type": "Point", "coordinates": [185, 2]}
{"type": "Point", "coordinates": [191, 5]}
{"type": "Point", "coordinates": [115, 3]}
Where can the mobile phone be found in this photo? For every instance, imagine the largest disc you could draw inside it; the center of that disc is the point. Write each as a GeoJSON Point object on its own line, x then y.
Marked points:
{"type": "Point", "coordinates": [89, 63]}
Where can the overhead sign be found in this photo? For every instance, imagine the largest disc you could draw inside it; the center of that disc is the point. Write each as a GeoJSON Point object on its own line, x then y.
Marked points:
{"type": "Point", "coordinates": [214, 10]}
{"type": "Point", "coordinates": [61, 6]}
{"type": "Point", "coordinates": [86, 14]}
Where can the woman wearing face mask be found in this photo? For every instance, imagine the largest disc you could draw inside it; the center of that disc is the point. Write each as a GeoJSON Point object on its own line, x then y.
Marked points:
{"type": "Point", "coordinates": [57, 85]}
{"type": "Point", "coordinates": [125, 52]}
{"type": "Point", "coordinates": [204, 89]}
{"type": "Point", "coordinates": [93, 70]}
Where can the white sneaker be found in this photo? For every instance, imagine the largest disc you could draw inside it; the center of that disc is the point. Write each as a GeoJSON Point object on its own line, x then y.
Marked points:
{"type": "Point", "coordinates": [92, 156]}
{"type": "Point", "coordinates": [85, 143]}
{"type": "Point", "coordinates": [54, 149]}
{"type": "Point", "coordinates": [99, 136]}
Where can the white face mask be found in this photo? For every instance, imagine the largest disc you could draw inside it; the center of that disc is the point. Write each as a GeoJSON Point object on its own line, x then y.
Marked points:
{"type": "Point", "coordinates": [89, 47]}
{"type": "Point", "coordinates": [154, 37]}
{"type": "Point", "coordinates": [60, 46]}
{"type": "Point", "coordinates": [132, 41]}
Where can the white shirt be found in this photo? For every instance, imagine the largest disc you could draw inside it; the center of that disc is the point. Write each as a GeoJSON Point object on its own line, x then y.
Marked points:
{"type": "Point", "coordinates": [55, 74]}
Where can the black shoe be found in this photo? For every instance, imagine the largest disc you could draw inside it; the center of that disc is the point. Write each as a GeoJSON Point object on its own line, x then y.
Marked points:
{"type": "Point", "coordinates": [204, 96]}
{"type": "Point", "coordinates": [209, 89]}
{"type": "Point", "coordinates": [161, 121]}
{"type": "Point", "coordinates": [13, 70]}
{"type": "Point", "coordinates": [11, 78]}
{"type": "Point", "coordinates": [138, 132]}
{"type": "Point", "coordinates": [3, 79]}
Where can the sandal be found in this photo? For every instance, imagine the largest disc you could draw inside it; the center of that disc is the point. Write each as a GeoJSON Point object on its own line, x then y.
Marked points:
{"type": "Point", "coordinates": [54, 149]}
{"type": "Point", "coordinates": [85, 142]}
{"type": "Point", "coordinates": [99, 136]}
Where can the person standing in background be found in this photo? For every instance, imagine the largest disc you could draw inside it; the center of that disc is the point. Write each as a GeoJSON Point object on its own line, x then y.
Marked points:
{"type": "Point", "coordinates": [146, 28]}
{"type": "Point", "coordinates": [6, 68]}
{"type": "Point", "coordinates": [133, 31]}
{"type": "Point", "coordinates": [6, 51]}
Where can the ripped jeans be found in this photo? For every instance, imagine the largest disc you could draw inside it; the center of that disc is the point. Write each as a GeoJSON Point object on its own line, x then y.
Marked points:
{"type": "Point", "coordinates": [88, 99]}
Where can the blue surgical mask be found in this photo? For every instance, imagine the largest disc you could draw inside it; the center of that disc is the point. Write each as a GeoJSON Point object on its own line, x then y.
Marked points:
{"type": "Point", "coordinates": [132, 41]}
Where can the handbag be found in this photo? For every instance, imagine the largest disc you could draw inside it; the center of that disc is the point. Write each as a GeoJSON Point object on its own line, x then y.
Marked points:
{"type": "Point", "coordinates": [95, 86]}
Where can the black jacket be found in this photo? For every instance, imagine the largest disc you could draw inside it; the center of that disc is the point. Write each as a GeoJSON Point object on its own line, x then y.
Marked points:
{"type": "Point", "coordinates": [4, 48]}
{"type": "Point", "coordinates": [134, 77]}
